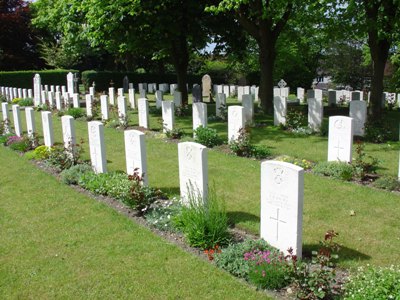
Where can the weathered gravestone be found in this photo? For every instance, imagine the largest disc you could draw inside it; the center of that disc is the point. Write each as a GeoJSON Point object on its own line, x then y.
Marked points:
{"type": "Point", "coordinates": [355, 96]}
{"type": "Point", "coordinates": [196, 94]}
{"type": "Point", "coordinates": [193, 172]}
{"type": "Point", "coordinates": [36, 89]}
{"type": "Point", "coordinates": [70, 84]}
{"type": "Point", "coordinates": [240, 92]}
{"type": "Point", "coordinates": [282, 194]}
{"type": "Point", "coordinates": [24, 93]}
{"type": "Point", "coordinates": [104, 107]}
{"type": "Point", "coordinates": [168, 115]}
{"type": "Point", "coordinates": [47, 124]}
{"type": "Point", "coordinates": [143, 112]}
{"type": "Point", "coordinates": [172, 88]}
{"type": "Point", "coordinates": [315, 113]}
{"type": "Point", "coordinates": [220, 104]}
{"type": "Point", "coordinates": [248, 105]}
{"type": "Point", "coordinates": [132, 100]}
{"type": "Point", "coordinates": [135, 153]}
{"type": "Point", "coordinates": [97, 147]}
{"type": "Point", "coordinates": [300, 94]}
{"type": "Point", "coordinates": [315, 94]}
{"type": "Point", "coordinates": [122, 111]}
{"type": "Point", "coordinates": [120, 92]}
{"type": "Point", "coordinates": [159, 98]}
{"type": "Point", "coordinates": [206, 84]}
{"type": "Point", "coordinates": [226, 90]}
{"type": "Point", "coordinates": [17, 119]}
{"type": "Point", "coordinates": [199, 111]}
{"type": "Point", "coordinates": [50, 97]}
{"type": "Point", "coordinates": [111, 95]}
{"type": "Point", "coordinates": [235, 122]}
{"type": "Point", "coordinates": [177, 99]}
{"type": "Point", "coordinates": [125, 84]}
{"type": "Point", "coordinates": [280, 109]}
{"type": "Point", "coordinates": [6, 119]}
{"type": "Point", "coordinates": [75, 100]}
{"type": "Point", "coordinates": [142, 93]}
{"type": "Point", "coordinates": [69, 136]}
{"type": "Point", "coordinates": [58, 101]}
{"type": "Point", "coordinates": [89, 105]}
{"type": "Point", "coordinates": [358, 111]}
{"type": "Point", "coordinates": [30, 121]}
{"type": "Point", "coordinates": [331, 98]}
{"type": "Point", "coordinates": [340, 141]}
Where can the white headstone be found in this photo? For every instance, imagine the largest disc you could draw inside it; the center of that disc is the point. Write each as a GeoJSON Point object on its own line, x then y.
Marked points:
{"type": "Point", "coordinates": [177, 99]}
{"type": "Point", "coordinates": [232, 90]}
{"type": "Point", "coordinates": [135, 153]}
{"type": "Point", "coordinates": [282, 195]}
{"type": "Point", "coordinates": [75, 100]}
{"type": "Point", "coordinates": [132, 100]}
{"type": "Point", "coordinates": [91, 91]}
{"type": "Point", "coordinates": [37, 84]}
{"type": "Point", "coordinates": [111, 95]}
{"type": "Point", "coordinates": [280, 109]}
{"type": "Point", "coordinates": [340, 141]}
{"type": "Point", "coordinates": [104, 107]}
{"type": "Point", "coordinates": [143, 112]}
{"type": "Point", "coordinates": [70, 83]}
{"type": "Point", "coordinates": [172, 88]}
{"type": "Point", "coordinates": [159, 98]}
{"type": "Point", "coordinates": [122, 111]}
{"type": "Point", "coordinates": [17, 119]}
{"type": "Point", "coordinates": [120, 92]}
{"type": "Point", "coordinates": [30, 121]}
{"type": "Point", "coordinates": [235, 122]}
{"type": "Point", "coordinates": [332, 98]}
{"type": "Point", "coordinates": [358, 111]}
{"type": "Point", "coordinates": [50, 97]}
{"type": "Point", "coordinates": [199, 110]}
{"type": "Point", "coordinates": [315, 113]}
{"type": "Point", "coordinates": [226, 90]}
{"type": "Point", "coordinates": [47, 124]}
{"type": "Point", "coordinates": [193, 171]}
{"type": "Point", "coordinates": [316, 94]}
{"type": "Point", "coordinates": [97, 147]}
{"type": "Point", "coordinates": [58, 100]}
{"type": "Point", "coordinates": [68, 131]}
{"type": "Point", "coordinates": [168, 115]}
{"type": "Point", "coordinates": [240, 93]}
{"type": "Point", "coordinates": [248, 105]}
{"type": "Point", "coordinates": [44, 97]}
{"type": "Point", "coordinates": [220, 103]}
{"type": "Point", "coordinates": [30, 93]}
{"type": "Point", "coordinates": [89, 105]}
{"type": "Point", "coordinates": [6, 119]}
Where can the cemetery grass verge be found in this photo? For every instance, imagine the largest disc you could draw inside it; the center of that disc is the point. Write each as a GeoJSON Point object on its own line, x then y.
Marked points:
{"type": "Point", "coordinates": [57, 243]}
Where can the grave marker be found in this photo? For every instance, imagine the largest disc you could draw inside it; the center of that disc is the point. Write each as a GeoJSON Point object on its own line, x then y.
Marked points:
{"type": "Point", "coordinates": [168, 115]}
{"type": "Point", "coordinates": [206, 85]}
{"type": "Point", "coordinates": [47, 124]}
{"type": "Point", "coordinates": [159, 98]}
{"type": "Point", "coordinates": [135, 154]}
{"type": "Point", "coordinates": [132, 100]}
{"type": "Point", "coordinates": [358, 111]}
{"type": "Point", "coordinates": [220, 104]}
{"type": "Point", "coordinates": [248, 105]}
{"type": "Point", "coordinates": [70, 84]}
{"type": "Point", "coordinates": [199, 115]}
{"type": "Point", "coordinates": [315, 113]}
{"type": "Point", "coordinates": [197, 94]}
{"type": "Point", "coordinates": [68, 131]}
{"type": "Point", "coordinates": [97, 147]}
{"type": "Point", "coordinates": [235, 122]}
{"type": "Point", "coordinates": [177, 99]}
{"type": "Point", "coordinates": [17, 119]}
{"type": "Point", "coordinates": [340, 140]}
{"type": "Point", "coordinates": [6, 119]}
{"type": "Point", "coordinates": [37, 89]}
{"type": "Point", "coordinates": [89, 105]}
{"type": "Point", "coordinates": [122, 111]}
{"type": "Point", "coordinates": [111, 95]}
{"type": "Point", "coordinates": [143, 112]}
{"type": "Point", "coordinates": [280, 109]}
{"type": "Point", "coordinates": [30, 121]}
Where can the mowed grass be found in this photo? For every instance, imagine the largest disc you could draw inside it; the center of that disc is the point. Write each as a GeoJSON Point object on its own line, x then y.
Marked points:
{"type": "Point", "coordinates": [57, 243]}
{"type": "Point", "coordinates": [371, 236]}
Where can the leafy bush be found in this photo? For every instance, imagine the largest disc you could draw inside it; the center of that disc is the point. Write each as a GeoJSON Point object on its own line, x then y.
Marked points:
{"type": "Point", "coordinates": [232, 259]}
{"type": "Point", "coordinates": [207, 137]}
{"type": "Point", "coordinates": [371, 283]}
{"type": "Point", "coordinates": [43, 107]}
{"type": "Point", "coordinates": [339, 170]}
{"type": "Point", "coordinates": [268, 269]}
{"type": "Point", "coordinates": [378, 131]}
{"type": "Point", "coordinates": [63, 158]}
{"type": "Point", "coordinates": [73, 174]}
{"type": "Point", "coordinates": [41, 152]}
{"type": "Point", "coordinates": [295, 119]}
{"type": "Point", "coordinates": [205, 225]}
{"type": "Point", "coordinates": [161, 213]}
{"type": "Point", "coordinates": [112, 123]}
{"type": "Point", "coordinates": [242, 147]}
{"type": "Point", "coordinates": [303, 163]}
{"type": "Point", "coordinates": [175, 133]}
{"type": "Point", "coordinates": [16, 100]}
{"type": "Point", "coordinates": [23, 101]}
{"type": "Point", "coordinates": [388, 183]}
{"type": "Point", "coordinates": [75, 112]}
{"type": "Point", "coordinates": [19, 143]}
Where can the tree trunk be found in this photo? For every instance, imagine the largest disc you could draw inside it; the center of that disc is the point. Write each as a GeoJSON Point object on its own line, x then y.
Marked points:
{"type": "Point", "coordinates": [379, 54]}
{"type": "Point", "coordinates": [267, 60]}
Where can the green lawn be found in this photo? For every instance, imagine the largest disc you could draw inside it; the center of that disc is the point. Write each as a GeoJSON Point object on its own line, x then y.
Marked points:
{"type": "Point", "coordinates": [58, 243]}
{"type": "Point", "coordinates": [371, 236]}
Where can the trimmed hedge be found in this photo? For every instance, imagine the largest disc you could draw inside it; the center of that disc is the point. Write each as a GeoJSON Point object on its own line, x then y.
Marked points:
{"type": "Point", "coordinates": [102, 79]}
{"type": "Point", "coordinates": [24, 79]}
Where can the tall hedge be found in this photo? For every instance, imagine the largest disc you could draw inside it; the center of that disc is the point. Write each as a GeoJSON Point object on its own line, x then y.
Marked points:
{"type": "Point", "coordinates": [24, 79]}
{"type": "Point", "coordinates": [103, 79]}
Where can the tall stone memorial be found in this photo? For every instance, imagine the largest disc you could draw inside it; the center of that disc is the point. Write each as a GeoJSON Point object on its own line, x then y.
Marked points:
{"type": "Point", "coordinates": [97, 147]}
{"type": "Point", "coordinates": [193, 172]}
{"type": "Point", "coordinates": [282, 195]}
{"type": "Point", "coordinates": [37, 85]}
{"type": "Point", "coordinates": [340, 140]}
{"type": "Point", "coordinates": [135, 153]}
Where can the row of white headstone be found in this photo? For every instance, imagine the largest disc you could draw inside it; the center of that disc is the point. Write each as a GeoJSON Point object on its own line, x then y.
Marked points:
{"type": "Point", "coordinates": [12, 92]}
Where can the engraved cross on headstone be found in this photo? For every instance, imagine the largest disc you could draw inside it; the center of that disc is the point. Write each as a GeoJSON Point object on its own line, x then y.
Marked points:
{"type": "Point", "coordinates": [277, 222]}
{"type": "Point", "coordinates": [338, 148]}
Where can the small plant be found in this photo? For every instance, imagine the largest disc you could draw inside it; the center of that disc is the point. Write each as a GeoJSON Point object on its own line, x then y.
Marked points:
{"type": "Point", "coordinates": [303, 163]}
{"type": "Point", "coordinates": [378, 131]}
{"type": "Point", "coordinates": [204, 224]}
{"type": "Point", "coordinates": [3, 98]}
{"type": "Point", "coordinates": [111, 123]}
{"type": "Point", "coordinates": [63, 158]}
{"type": "Point", "coordinates": [182, 111]}
{"type": "Point", "coordinates": [41, 152]}
{"type": "Point", "coordinates": [338, 170]}
{"type": "Point", "coordinates": [207, 137]}
{"type": "Point", "coordinates": [295, 119]}
{"type": "Point", "coordinates": [211, 252]}
{"type": "Point", "coordinates": [387, 183]}
{"type": "Point", "coordinates": [161, 213]}
{"type": "Point", "coordinates": [43, 107]}
{"type": "Point", "coordinates": [26, 102]}
{"type": "Point", "coordinates": [176, 133]}
{"type": "Point", "coordinates": [317, 280]}
{"type": "Point", "coordinates": [73, 174]}
{"type": "Point", "coordinates": [242, 147]}
{"type": "Point", "coordinates": [75, 112]}
{"type": "Point", "coordinates": [16, 100]}
{"type": "Point", "coordinates": [362, 163]}
{"type": "Point", "coordinates": [22, 143]}
{"type": "Point", "coordinates": [232, 259]}
{"type": "Point", "coordinates": [372, 283]}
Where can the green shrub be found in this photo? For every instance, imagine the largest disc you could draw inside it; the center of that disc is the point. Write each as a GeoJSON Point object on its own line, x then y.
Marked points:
{"type": "Point", "coordinates": [339, 170]}
{"type": "Point", "coordinates": [378, 131]}
{"type": "Point", "coordinates": [16, 100]}
{"type": "Point", "coordinates": [363, 164]}
{"type": "Point", "coordinates": [207, 137]}
{"type": "Point", "coordinates": [73, 174]}
{"type": "Point", "coordinates": [232, 259]}
{"type": "Point", "coordinates": [4, 138]}
{"type": "Point", "coordinates": [19, 143]}
{"type": "Point", "coordinates": [26, 102]}
{"type": "Point", "coordinates": [63, 158]}
{"type": "Point", "coordinates": [205, 225]}
{"type": "Point", "coordinates": [42, 152]}
{"type": "Point", "coordinates": [111, 123]}
{"type": "Point", "coordinates": [295, 119]}
{"type": "Point", "coordinates": [242, 147]}
{"type": "Point", "coordinates": [388, 183]}
{"type": "Point", "coordinates": [373, 283]}
{"type": "Point", "coordinates": [268, 270]}
{"type": "Point", "coordinates": [75, 112]}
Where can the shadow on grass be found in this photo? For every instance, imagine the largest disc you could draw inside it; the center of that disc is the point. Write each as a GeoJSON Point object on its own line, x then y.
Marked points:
{"type": "Point", "coordinates": [242, 217]}
{"type": "Point", "coordinates": [345, 254]}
